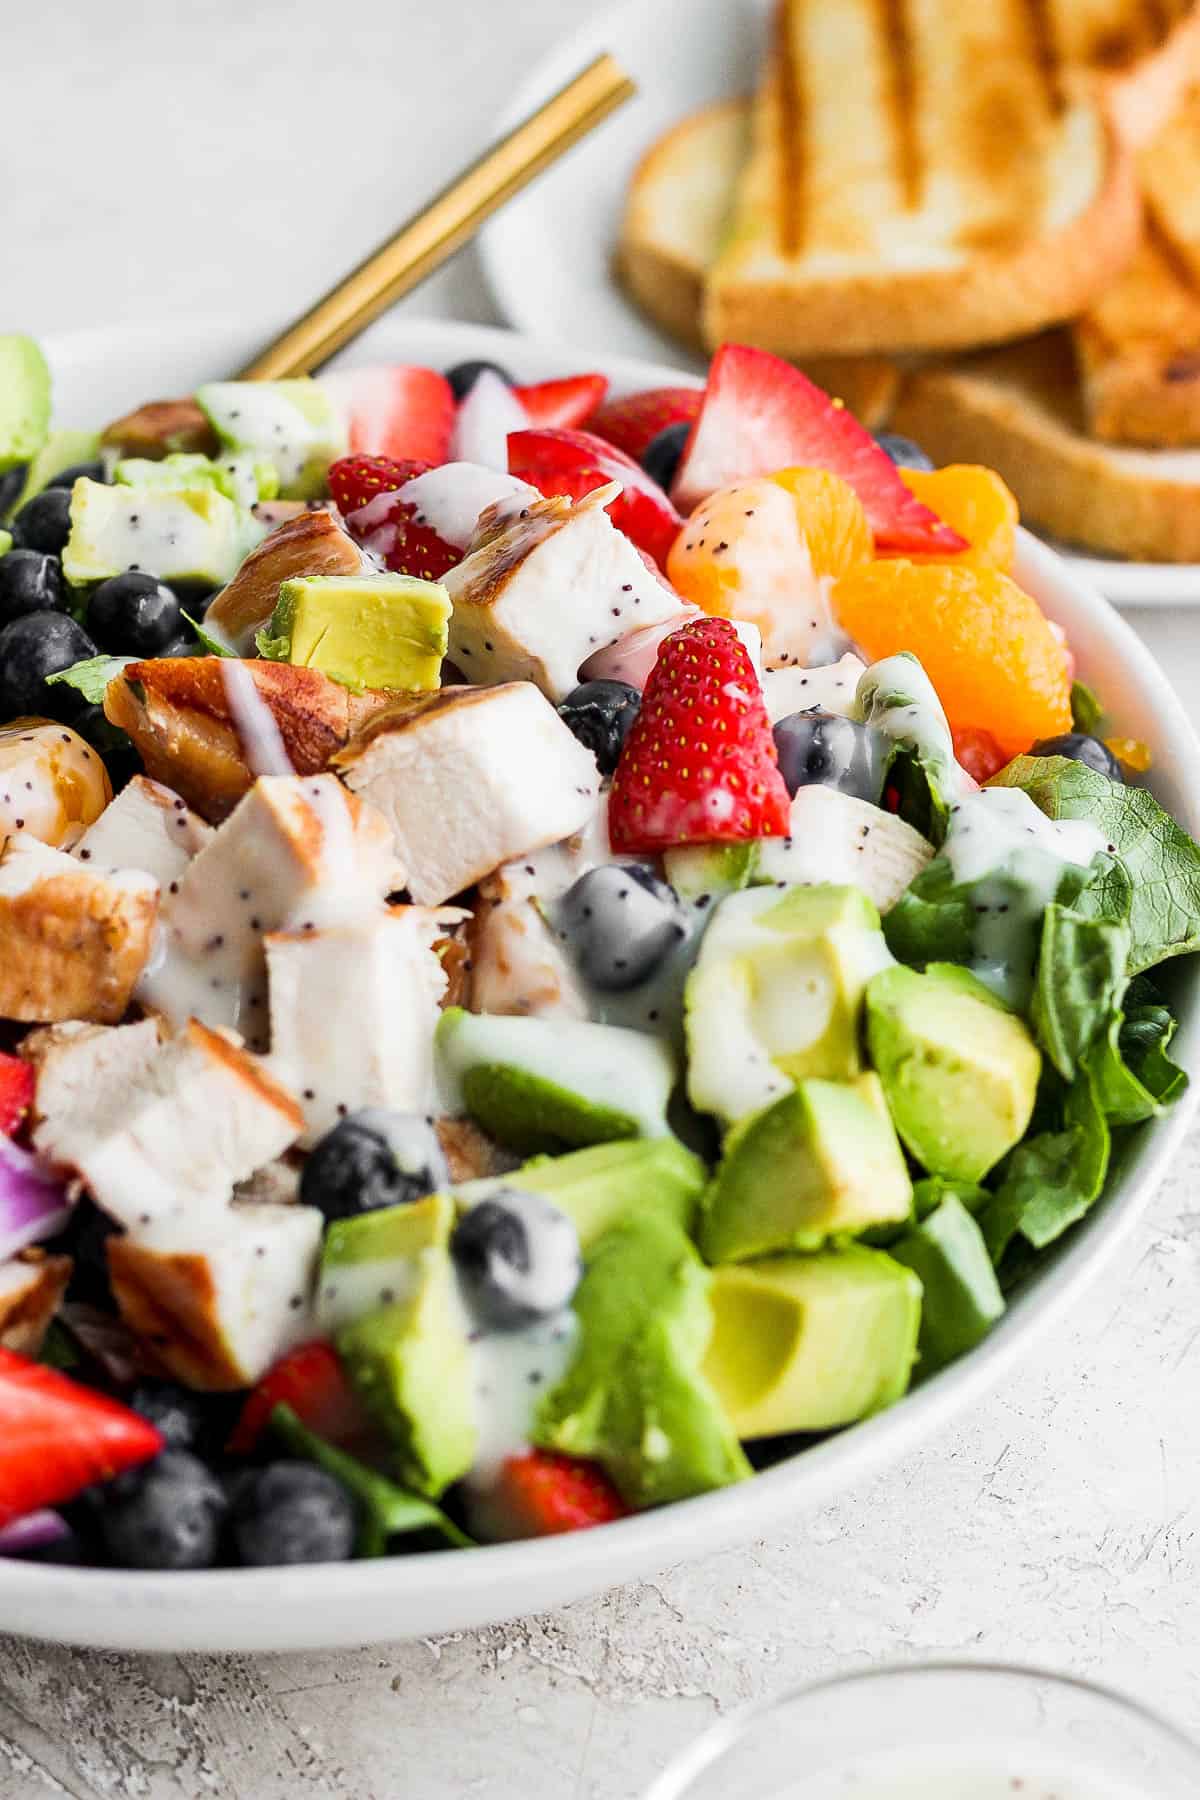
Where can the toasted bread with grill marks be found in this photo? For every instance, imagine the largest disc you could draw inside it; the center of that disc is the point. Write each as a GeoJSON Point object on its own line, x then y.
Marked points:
{"type": "Point", "coordinates": [1018, 409]}
{"type": "Point", "coordinates": [921, 176]}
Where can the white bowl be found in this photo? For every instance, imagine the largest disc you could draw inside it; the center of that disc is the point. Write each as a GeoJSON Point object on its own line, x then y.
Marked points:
{"type": "Point", "coordinates": [100, 373]}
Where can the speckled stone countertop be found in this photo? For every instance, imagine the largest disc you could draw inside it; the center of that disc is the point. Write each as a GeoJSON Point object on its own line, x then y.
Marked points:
{"type": "Point", "coordinates": [222, 155]}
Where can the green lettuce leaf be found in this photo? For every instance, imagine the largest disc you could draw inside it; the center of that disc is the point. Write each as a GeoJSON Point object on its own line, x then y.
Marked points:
{"type": "Point", "coordinates": [1080, 981]}
{"type": "Point", "coordinates": [92, 676]}
{"type": "Point", "coordinates": [386, 1511]}
{"type": "Point", "coordinates": [1051, 1179]}
{"type": "Point", "coordinates": [1160, 858]}
{"type": "Point", "coordinates": [214, 645]}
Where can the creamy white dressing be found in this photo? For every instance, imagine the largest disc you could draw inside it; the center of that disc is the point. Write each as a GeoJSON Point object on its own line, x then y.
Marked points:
{"type": "Point", "coordinates": [449, 499]}
{"type": "Point", "coordinates": [1000, 840]}
{"type": "Point", "coordinates": [512, 1372]}
{"type": "Point", "coordinates": [258, 734]}
{"type": "Point", "coordinates": [918, 723]}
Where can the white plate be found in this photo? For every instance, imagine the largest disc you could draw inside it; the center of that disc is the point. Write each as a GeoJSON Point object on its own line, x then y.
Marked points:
{"type": "Point", "coordinates": [100, 373]}
{"type": "Point", "coordinates": [548, 253]}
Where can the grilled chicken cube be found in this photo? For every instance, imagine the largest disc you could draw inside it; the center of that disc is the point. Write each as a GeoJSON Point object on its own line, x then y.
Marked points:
{"type": "Point", "coordinates": [311, 543]}
{"type": "Point", "coordinates": [72, 942]}
{"type": "Point", "coordinates": [146, 827]}
{"type": "Point", "coordinates": [217, 1300]}
{"type": "Point", "coordinates": [31, 1286]}
{"type": "Point", "coordinates": [162, 427]}
{"type": "Point", "coordinates": [546, 592]}
{"type": "Point", "coordinates": [353, 1011]}
{"type": "Point", "coordinates": [52, 784]}
{"type": "Point", "coordinates": [470, 778]}
{"type": "Point", "coordinates": [293, 849]}
{"type": "Point", "coordinates": [170, 1144]}
{"type": "Point", "coordinates": [83, 1068]}
{"type": "Point", "coordinates": [176, 710]}
{"type": "Point", "coordinates": [470, 1153]}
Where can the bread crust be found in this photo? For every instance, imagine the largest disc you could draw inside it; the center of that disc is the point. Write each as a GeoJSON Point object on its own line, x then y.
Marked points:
{"type": "Point", "coordinates": [1018, 411]}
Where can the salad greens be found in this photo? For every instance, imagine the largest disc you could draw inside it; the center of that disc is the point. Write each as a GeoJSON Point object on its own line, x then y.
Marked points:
{"type": "Point", "coordinates": [386, 1511]}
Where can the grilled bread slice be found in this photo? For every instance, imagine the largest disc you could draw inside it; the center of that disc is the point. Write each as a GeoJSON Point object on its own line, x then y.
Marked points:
{"type": "Point", "coordinates": [1139, 344]}
{"type": "Point", "coordinates": [921, 175]}
{"type": "Point", "coordinates": [674, 216]}
{"type": "Point", "coordinates": [1142, 52]}
{"type": "Point", "coordinates": [1018, 409]}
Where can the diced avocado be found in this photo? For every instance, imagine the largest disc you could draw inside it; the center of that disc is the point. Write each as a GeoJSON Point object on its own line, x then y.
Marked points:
{"type": "Point", "coordinates": [547, 1084]}
{"type": "Point", "coordinates": [715, 869]}
{"type": "Point", "coordinates": [293, 424]}
{"type": "Point", "coordinates": [959, 1070]}
{"type": "Point", "coordinates": [633, 1397]}
{"type": "Point", "coordinates": [601, 1185]}
{"type": "Point", "coordinates": [380, 631]}
{"type": "Point", "coordinates": [371, 1260]}
{"type": "Point", "coordinates": [242, 478]}
{"type": "Point", "coordinates": [6, 542]}
{"type": "Point", "coordinates": [410, 1364]}
{"type": "Point", "coordinates": [196, 536]}
{"type": "Point", "coordinates": [805, 1343]}
{"type": "Point", "coordinates": [24, 400]}
{"type": "Point", "coordinates": [823, 1161]}
{"type": "Point", "coordinates": [62, 450]}
{"type": "Point", "coordinates": [776, 994]}
{"type": "Point", "coordinates": [962, 1296]}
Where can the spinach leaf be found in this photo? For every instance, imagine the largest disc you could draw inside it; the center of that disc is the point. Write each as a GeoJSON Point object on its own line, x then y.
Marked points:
{"type": "Point", "coordinates": [933, 920]}
{"type": "Point", "coordinates": [1145, 1033]}
{"type": "Point", "coordinates": [1161, 859]}
{"type": "Point", "coordinates": [385, 1510]}
{"type": "Point", "coordinates": [214, 645]}
{"type": "Point", "coordinates": [1051, 1179]}
{"type": "Point", "coordinates": [1080, 981]}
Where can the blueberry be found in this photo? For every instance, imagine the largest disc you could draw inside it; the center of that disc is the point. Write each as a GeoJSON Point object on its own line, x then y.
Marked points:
{"type": "Point", "coordinates": [187, 1420]}
{"type": "Point", "coordinates": [167, 1514]}
{"type": "Point", "coordinates": [183, 645]}
{"type": "Point", "coordinates": [517, 1256]}
{"type": "Point", "coordinates": [134, 614]}
{"type": "Point", "coordinates": [41, 644]}
{"type": "Point", "coordinates": [11, 483]}
{"type": "Point", "coordinates": [371, 1159]}
{"type": "Point", "coordinates": [820, 749]}
{"type": "Point", "coordinates": [66, 478]}
{"type": "Point", "coordinates": [85, 1239]}
{"type": "Point", "coordinates": [463, 376]}
{"type": "Point", "coordinates": [902, 451]}
{"type": "Point", "coordinates": [292, 1512]}
{"type": "Point", "coordinates": [44, 523]}
{"type": "Point", "coordinates": [619, 923]}
{"type": "Point", "coordinates": [1079, 746]}
{"type": "Point", "coordinates": [599, 714]}
{"type": "Point", "coordinates": [660, 458]}
{"type": "Point", "coordinates": [30, 581]}
{"type": "Point", "coordinates": [118, 754]}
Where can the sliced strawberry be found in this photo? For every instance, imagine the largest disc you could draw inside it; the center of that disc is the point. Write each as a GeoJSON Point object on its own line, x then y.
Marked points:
{"type": "Point", "coordinates": [633, 423]}
{"type": "Point", "coordinates": [699, 764]}
{"type": "Point", "coordinates": [979, 753]}
{"type": "Point", "coordinates": [542, 1493]}
{"type": "Point", "coordinates": [353, 480]}
{"type": "Point", "coordinates": [57, 1437]}
{"type": "Point", "coordinates": [575, 463]}
{"type": "Point", "coordinates": [562, 403]}
{"type": "Point", "coordinates": [17, 1081]}
{"type": "Point", "coordinates": [760, 415]}
{"type": "Point", "coordinates": [398, 533]}
{"type": "Point", "coordinates": [311, 1381]}
{"type": "Point", "coordinates": [395, 410]}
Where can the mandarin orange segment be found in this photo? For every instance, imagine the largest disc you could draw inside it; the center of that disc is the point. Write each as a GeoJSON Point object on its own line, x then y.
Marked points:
{"type": "Point", "coordinates": [985, 644]}
{"type": "Point", "coordinates": [979, 506]}
{"type": "Point", "coordinates": [767, 551]}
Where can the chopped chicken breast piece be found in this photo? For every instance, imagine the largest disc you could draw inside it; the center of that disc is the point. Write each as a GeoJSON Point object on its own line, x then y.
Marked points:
{"type": "Point", "coordinates": [470, 778]}
{"type": "Point", "coordinates": [72, 942]}
{"type": "Point", "coordinates": [217, 1300]}
{"type": "Point", "coordinates": [84, 1068]}
{"type": "Point", "coordinates": [353, 1011]}
{"type": "Point", "coordinates": [539, 597]}
{"type": "Point", "coordinates": [31, 1287]}
{"type": "Point", "coordinates": [171, 1143]}
{"type": "Point", "coordinates": [52, 783]}
{"type": "Point", "coordinates": [275, 1184]}
{"type": "Point", "coordinates": [309, 543]}
{"type": "Point", "coordinates": [470, 1154]}
{"type": "Point", "coordinates": [146, 827]}
{"type": "Point", "coordinates": [297, 854]}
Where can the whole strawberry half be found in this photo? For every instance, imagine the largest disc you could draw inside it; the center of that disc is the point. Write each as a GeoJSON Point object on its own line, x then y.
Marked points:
{"type": "Point", "coordinates": [394, 409]}
{"type": "Point", "coordinates": [569, 401]}
{"type": "Point", "coordinates": [633, 423]}
{"type": "Point", "coordinates": [57, 1437]}
{"type": "Point", "coordinates": [398, 533]}
{"type": "Point", "coordinates": [575, 463]}
{"type": "Point", "coordinates": [699, 764]}
{"type": "Point", "coordinates": [353, 480]}
{"type": "Point", "coordinates": [760, 415]}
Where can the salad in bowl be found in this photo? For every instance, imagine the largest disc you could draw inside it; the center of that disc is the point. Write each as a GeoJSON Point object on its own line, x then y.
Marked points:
{"type": "Point", "coordinates": [555, 950]}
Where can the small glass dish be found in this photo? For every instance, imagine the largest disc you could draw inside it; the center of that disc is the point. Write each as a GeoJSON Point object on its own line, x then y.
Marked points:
{"type": "Point", "coordinates": [938, 1731]}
